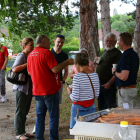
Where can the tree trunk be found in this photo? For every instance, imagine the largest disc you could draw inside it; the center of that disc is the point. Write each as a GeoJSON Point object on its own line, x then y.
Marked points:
{"type": "Point", "coordinates": [105, 18]}
{"type": "Point", "coordinates": [88, 36]}
{"type": "Point", "coordinates": [137, 30]}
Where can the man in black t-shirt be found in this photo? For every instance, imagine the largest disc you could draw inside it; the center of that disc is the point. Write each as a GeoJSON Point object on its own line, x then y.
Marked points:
{"type": "Point", "coordinates": [60, 57]}
{"type": "Point", "coordinates": [126, 72]}
{"type": "Point", "coordinates": [111, 55]}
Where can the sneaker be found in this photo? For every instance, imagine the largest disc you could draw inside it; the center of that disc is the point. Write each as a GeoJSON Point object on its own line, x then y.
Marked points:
{"type": "Point", "coordinates": [33, 132]}
{"type": "Point", "coordinates": [2, 99]}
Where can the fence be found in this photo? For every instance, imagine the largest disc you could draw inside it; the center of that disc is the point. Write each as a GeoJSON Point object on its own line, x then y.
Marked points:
{"type": "Point", "coordinates": [10, 63]}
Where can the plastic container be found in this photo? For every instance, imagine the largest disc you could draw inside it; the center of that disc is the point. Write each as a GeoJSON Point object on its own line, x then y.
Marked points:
{"type": "Point", "coordinates": [123, 133]}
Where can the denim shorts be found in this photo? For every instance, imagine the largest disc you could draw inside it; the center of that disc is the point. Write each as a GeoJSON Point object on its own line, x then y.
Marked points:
{"type": "Point", "coordinates": [82, 111]}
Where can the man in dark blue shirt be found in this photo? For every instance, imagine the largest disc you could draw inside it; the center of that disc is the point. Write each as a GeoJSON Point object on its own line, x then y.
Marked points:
{"type": "Point", "coordinates": [60, 57]}
{"type": "Point", "coordinates": [126, 72]}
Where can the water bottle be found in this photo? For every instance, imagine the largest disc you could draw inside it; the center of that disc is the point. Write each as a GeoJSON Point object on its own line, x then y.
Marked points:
{"type": "Point", "coordinates": [123, 133]}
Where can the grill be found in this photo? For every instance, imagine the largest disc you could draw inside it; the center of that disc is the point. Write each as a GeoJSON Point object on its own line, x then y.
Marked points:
{"type": "Point", "coordinates": [87, 129]}
{"type": "Point", "coordinates": [90, 138]}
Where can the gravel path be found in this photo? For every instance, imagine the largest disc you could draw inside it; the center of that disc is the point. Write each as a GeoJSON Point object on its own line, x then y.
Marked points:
{"type": "Point", "coordinates": [7, 111]}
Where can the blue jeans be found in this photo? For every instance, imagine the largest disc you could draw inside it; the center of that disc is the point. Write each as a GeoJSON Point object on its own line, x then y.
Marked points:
{"type": "Point", "coordinates": [82, 111]}
{"type": "Point", "coordinates": [50, 103]}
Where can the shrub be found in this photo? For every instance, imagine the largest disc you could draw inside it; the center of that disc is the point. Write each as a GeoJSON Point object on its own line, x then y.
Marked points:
{"type": "Point", "coordinates": [67, 49]}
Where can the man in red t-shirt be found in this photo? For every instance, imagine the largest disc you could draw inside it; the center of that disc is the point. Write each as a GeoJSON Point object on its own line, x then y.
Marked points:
{"type": "Point", "coordinates": [3, 63]}
{"type": "Point", "coordinates": [44, 71]}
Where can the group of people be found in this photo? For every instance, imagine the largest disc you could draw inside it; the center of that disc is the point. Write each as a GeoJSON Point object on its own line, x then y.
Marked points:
{"type": "Point", "coordinates": [106, 79]}
{"type": "Point", "coordinates": [45, 81]}
{"type": "Point", "coordinates": [124, 76]}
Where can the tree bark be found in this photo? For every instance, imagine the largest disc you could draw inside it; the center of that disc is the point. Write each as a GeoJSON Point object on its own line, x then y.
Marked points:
{"type": "Point", "coordinates": [88, 36]}
{"type": "Point", "coordinates": [105, 18]}
{"type": "Point", "coordinates": [137, 29]}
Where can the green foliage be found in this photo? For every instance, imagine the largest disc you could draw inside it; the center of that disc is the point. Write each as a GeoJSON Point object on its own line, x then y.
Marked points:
{"type": "Point", "coordinates": [39, 17]}
{"type": "Point", "coordinates": [74, 42]}
{"type": "Point", "coordinates": [69, 80]}
{"type": "Point", "coordinates": [99, 24]}
{"type": "Point", "coordinates": [115, 18]}
{"type": "Point", "coordinates": [118, 47]}
{"type": "Point", "coordinates": [121, 23]}
{"type": "Point", "coordinates": [133, 15]}
{"type": "Point", "coordinates": [15, 46]}
{"type": "Point", "coordinates": [9, 57]}
{"type": "Point", "coordinates": [119, 26]}
{"type": "Point", "coordinates": [7, 69]}
{"type": "Point", "coordinates": [131, 31]}
{"type": "Point", "coordinates": [101, 51]}
{"type": "Point", "coordinates": [67, 49]}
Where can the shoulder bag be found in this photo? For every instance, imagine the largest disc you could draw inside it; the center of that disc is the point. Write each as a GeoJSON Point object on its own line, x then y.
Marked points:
{"type": "Point", "coordinates": [19, 78]}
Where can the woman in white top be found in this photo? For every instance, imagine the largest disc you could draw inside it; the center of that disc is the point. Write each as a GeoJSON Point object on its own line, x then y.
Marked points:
{"type": "Point", "coordinates": [82, 93]}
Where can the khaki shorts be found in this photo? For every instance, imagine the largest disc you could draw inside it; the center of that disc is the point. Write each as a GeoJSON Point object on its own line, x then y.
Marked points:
{"type": "Point", "coordinates": [127, 95]}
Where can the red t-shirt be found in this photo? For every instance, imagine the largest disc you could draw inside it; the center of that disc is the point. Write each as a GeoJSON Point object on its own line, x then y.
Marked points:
{"type": "Point", "coordinates": [3, 54]}
{"type": "Point", "coordinates": [39, 64]}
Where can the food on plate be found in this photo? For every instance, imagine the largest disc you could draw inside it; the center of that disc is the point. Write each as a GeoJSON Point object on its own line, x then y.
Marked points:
{"type": "Point", "coordinates": [115, 118]}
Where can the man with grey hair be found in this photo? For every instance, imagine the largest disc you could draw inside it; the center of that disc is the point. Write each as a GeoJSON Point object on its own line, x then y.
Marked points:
{"type": "Point", "coordinates": [111, 55]}
{"type": "Point", "coordinates": [44, 71]}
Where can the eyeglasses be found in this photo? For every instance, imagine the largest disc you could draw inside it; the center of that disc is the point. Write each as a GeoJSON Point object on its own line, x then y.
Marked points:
{"type": "Point", "coordinates": [61, 36]}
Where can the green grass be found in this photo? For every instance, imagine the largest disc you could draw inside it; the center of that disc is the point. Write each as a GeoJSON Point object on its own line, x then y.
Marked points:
{"type": "Point", "coordinates": [7, 69]}
{"type": "Point", "coordinates": [69, 80]}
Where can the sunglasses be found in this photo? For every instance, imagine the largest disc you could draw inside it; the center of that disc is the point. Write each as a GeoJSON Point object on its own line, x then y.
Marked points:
{"type": "Point", "coordinates": [62, 36]}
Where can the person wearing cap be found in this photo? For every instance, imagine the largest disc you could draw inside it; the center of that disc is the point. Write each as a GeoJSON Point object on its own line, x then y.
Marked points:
{"type": "Point", "coordinates": [126, 72]}
{"type": "Point", "coordinates": [111, 55]}
{"type": "Point", "coordinates": [74, 70]}
{"type": "Point", "coordinates": [60, 57]}
{"type": "Point", "coordinates": [3, 63]}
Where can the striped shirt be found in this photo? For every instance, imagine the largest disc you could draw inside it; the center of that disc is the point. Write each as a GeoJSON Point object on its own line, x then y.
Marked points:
{"type": "Point", "coordinates": [82, 89]}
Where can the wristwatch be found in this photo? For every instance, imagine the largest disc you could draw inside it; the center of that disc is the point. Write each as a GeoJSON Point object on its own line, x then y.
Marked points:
{"type": "Point", "coordinates": [63, 82]}
{"type": "Point", "coordinates": [114, 73]}
{"type": "Point", "coordinates": [109, 82]}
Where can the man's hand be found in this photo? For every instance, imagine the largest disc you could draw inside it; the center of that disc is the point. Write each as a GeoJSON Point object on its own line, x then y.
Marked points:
{"type": "Point", "coordinates": [62, 65]}
{"type": "Point", "coordinates": [70, 61]}
{"type": "Point", "coordinates": [61, 82]}
{"type": "Point", "coordinates": [96, 58]}
{"type": "Point", "coordinates": [69, 90]}
{"type": "Point", "coordinates": [107, 86]}
{"type": "Point", "coordinates": [113, 69]}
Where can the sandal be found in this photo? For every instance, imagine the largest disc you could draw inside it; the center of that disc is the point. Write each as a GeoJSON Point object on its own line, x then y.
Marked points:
{"type": "Point", "coordinates": [21, 137]}
{"type": "Point", "coordinates": [28, 135]}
